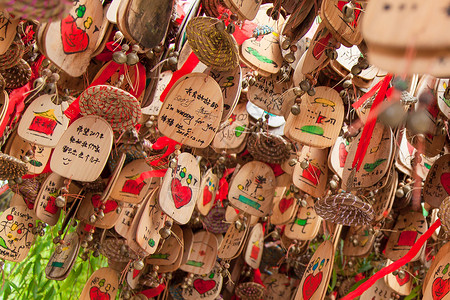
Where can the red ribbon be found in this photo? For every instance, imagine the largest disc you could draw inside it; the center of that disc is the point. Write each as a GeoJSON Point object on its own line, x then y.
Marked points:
{"type": "Point", "coordinates": [150, 174]}
{"type": "Point", "coordinates": [370, 124]}
{"type": "Point", "coordinates": [150, 293]}
{"type": "Point", "coordinates": [222, 192]}
{"type": "Point", "coordinates": [396, 265]}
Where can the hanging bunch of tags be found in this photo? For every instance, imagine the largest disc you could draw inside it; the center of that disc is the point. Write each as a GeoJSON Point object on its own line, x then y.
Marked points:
{"type": "Point", "coordinates": [225, 149]}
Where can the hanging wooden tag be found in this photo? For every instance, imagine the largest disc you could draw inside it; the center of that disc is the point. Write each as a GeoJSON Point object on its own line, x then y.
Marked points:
{"type": "Point", "coordinates": [180, 188]}
{"type": "Point", "coordinates": [127, 189]}
{"type": "Point", "coordinates": [45, 206]}
{"type": "Point", "coordinates": [8, 30]}
{"type": "Point", "coordinates": [192, 110]}
{"type": "Point", "coordinates": [176, 265]}
{"type": "Point", "coordinates": [402, 285]}
{"type": "Point", "coordinates": [231, 245]}
{"type": "Point", "coordinates": [278, 286]}
{"type": "Point", "coordinates": [44, 122]}
{"type": "Point", "coordinates": [102, 284]}
{"type": "Point", "coordinates": [230, 83]}
{"type": "Point", "coordinates": [284, 205]}
{"type": "Point", "coordinates": [407, 230]}
{"type": "Point", "coordinates": [156, 104]}
{"type": "Point", "coordinates": [313, 178]}
{"type": "Point", "coordinates": [83, 150]}
{"type": "Point", "coordinates": [338, 156]}
{"type": "Point", "coordinates": [252, 189]}
{"type": "Point", "coordinates": [131, 235]}
{"type": "Point", "coordinates": [384, 199]}
{"type": "Point", "coordinates": [443, 102]}
{"type": "Point", "coordinates": [320, 120]}
{"type": "Point", "coordinates": [203, 254]}
{"type": "Point", "coordinates": [188, 237]}
{"type": "Point", "coordinates": [16, 237]}
{"type": "Point", "coordinates": [80, 32]}
{"type": "Point", "coordinates": [255, 246]}
{"type": "Point", "coordinates": [111, 13]}
{"type": "Point", "coordinates": [62, 260]}
{"type": "Point", "coordinates": [437, 281]}
{"type": "Point", "coordinates": [332, 14]}
{"type": "Point", "coordinates": [126, 216]}
{"type": "Point", "coordinates": [379, 291]}
{"type": "Point", "coordinates": [358, 241]}
{"type": "Point", "coordinates": [267, 93]}
{"type": "Point", "coordinates": [315, 57]}
{"type": "Point", "coordinates": [18, 147]}
{"type": "Point", "coordinates": [233, 131]}
{"type": "Point", "coordinates": [207, 194]}
{"type": "Point", "coordinates": [168, 253]}
{"type": "Point", "coordinates": [205, 286]}
{"type": "Point", "coordinates": [437, 183]}
{"type": "Point", "coordinates": [92, 202]}
{"type": "Point", "coordinates": [263, 53]}
{"type": "Point", "coordinates": [306, 224]}
{"type": "Point", "coordinates": [376, 161]}
{"type": "Point", "coordinates": [151, 221]}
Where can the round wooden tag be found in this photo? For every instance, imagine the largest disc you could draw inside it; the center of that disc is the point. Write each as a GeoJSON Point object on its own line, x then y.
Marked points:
{"type": "Point", "coordinates": [61, 263]}
{"type": "Point", "coordinates": [437, 183]}
{"type": "Point", "coordinates": [255, 246]}
{"type": "Point", "coordinates": [83, 150]}
{"type": "Point", "coordinates": [233, 131]}
{"type": "Point", "coordinates": [203, 254]}
{"type": "Point", "coordinates": [102, 284]}
{"type": "Point", "coordinates": [45, 206]}
{"type": "Point", "coordinates": [267, 93]}
{"type": "Point", "coordinates": [443, 102]}
{"type": "Point", "coordinates": [206, 286]}
{"type": "Point", "coordinates": [207, 194]}
{"type": "Point", "coordinates": [306, 223]}
{"type": "Point", "coordinates": [192, 110]}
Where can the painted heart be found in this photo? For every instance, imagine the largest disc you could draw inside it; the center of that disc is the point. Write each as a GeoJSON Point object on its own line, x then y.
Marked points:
{"type": "Point", "coordinates": [440, 288]}
{"type": "Point", "coordinates": [342, 155]}
{"type": "Point", "coordinates": [110, 205]}
{"type": "Point", "coordinates": [74, 39]}
{"type": "Point", "coordinates": [96, 294]}
{"type": "Point", "coordinates": [284, 204]}
{"type": "Point", "coordinates": [203, 286]}
{"type": "Point", "coordinates": [311, 284]}
{"type": "Point", "coordinates": [207, 195]}
{"type": "Point", "coordinates": [181, 194]}
{"type": "Point", "coordinates": [445, 181]}
{"type": "Point", "coordinates": [403, 281]}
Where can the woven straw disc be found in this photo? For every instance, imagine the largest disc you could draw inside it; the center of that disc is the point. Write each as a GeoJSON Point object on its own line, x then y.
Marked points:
{"type": "Point", "coordinates": [11, 167]}
{"type": "Point", "coordinates": [118, 107]}
{"type": "Point", "coordinates": [268, 148]}
{"type": "Point", "coordinates": [43, 11]}
{"type": "Point", "coordinates": [17, 76]}
{"type": "Point", "coordinates": [345, 209]}
{"type": "Point", "coordinates": [214, 48]}
{"type": "Point", "coordinates": [12, 56]}
{"type": "Point", "coordinates": [250, 291]}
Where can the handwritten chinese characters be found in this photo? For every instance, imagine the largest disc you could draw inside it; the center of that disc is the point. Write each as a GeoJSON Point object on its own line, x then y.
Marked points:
{"type": "Point", "coordinates": [192, 110]}
{"type": "Point", "coordinates": [83, 150]}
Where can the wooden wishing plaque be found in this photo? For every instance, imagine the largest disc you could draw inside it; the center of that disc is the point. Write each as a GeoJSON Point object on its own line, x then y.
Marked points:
{"type": "Point", "coordinates": [246, 10]}
{"type": "Point", "coordinates": [278, 286]}
{"type": "Point", "coordinates": [320, 121]}
{"type": "Point", "coordinates": [45, 206]}
{"type": "Point", "coordinates": [192, 110]}
{"type": "Point", "coordinates": [232, 132]}
{"type": "Point", "coordinates": [180, 188]}
{"type": "Point", "coordinates": [156, 104]}
{"type": "Point", "coordinates": [170, 250]}
{"type": "Point", "coordinates": [401, 285]}
{"type": "Point", "coordinates": [263, 53]}
{"type": "Point", "coordinates": [306, 224]}
{"type": "Point", "coordinates": [312, 179]}
{"type": "Point", "coordinates": [332, 15]}
{"type": "Point", "coordinates": [230, 83]}
{"type": "Point", "coordinates": [437, 183]}
{"type": "Point", "coordinates": [338, 156]}
{"type": "Point", "coordinates": [8, 31]}
{"type": "Point", "coordinates": [284, 207]}
{"type": "Point", "coordinates": [127, 189]}
{"type": "Point", "coordinates": [376, 161]}
{"type": "Point", "coordinates": [255, 246]}
{"type": "Point", "coordinates": [18, 147]}
{"type": "Point", "coordinates": [437, 283]}
{"type": "Point", "coordinates": [443, 103]}
{"type": "Point", "coordinates": [44, 122]}
{"type": "Point", "coordinates": [365, 239]}
{"type": "Point", "coordinates": [91, 202]}
{"type": "Point", "coordinates": [60, 263]}
{"type": "Point", "coordinates": [125, 219]}
{"type": "Point", "coordinates": [207, 194]}
{"type": "Point", "coordinates": [206, 286]}
{"type": "Point", "coordinates": [83, 150]}
{"type": "Point", "coordinates": [203, 254]}
{"type": "Point", "coordinates": [267, 93]}
{"type": "Point", "coordinates": [407, 230]}
{"type": "Point", "coordinates": [315, 57]}
{"type": "Point", "coordinates": [16, 237]}
{"type": "Point", "coordinates": [102, 284]}
{"type": "Point", "coordinates": [145, 24]}
{"type": "Point", "coordinates": [71, 42]}
{"type": "Point", "coordinates": [252, 189]}
{"type": "Point", "coordinates": [230, 247]}
{"type": "Point", "coordinates": [317, 274]}
{"type": "Point", "coordinates": [151, 221]}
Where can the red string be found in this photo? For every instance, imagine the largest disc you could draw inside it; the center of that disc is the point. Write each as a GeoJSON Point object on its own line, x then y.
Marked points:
{"type": "Point", "coordinates": [150, 174]}
{"type": "Point", "coordinates": [396, 265]}
{"type": "Point", "coordinates": [370, 124]}
{"type": "Point", "coordinates": [150, 293]}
